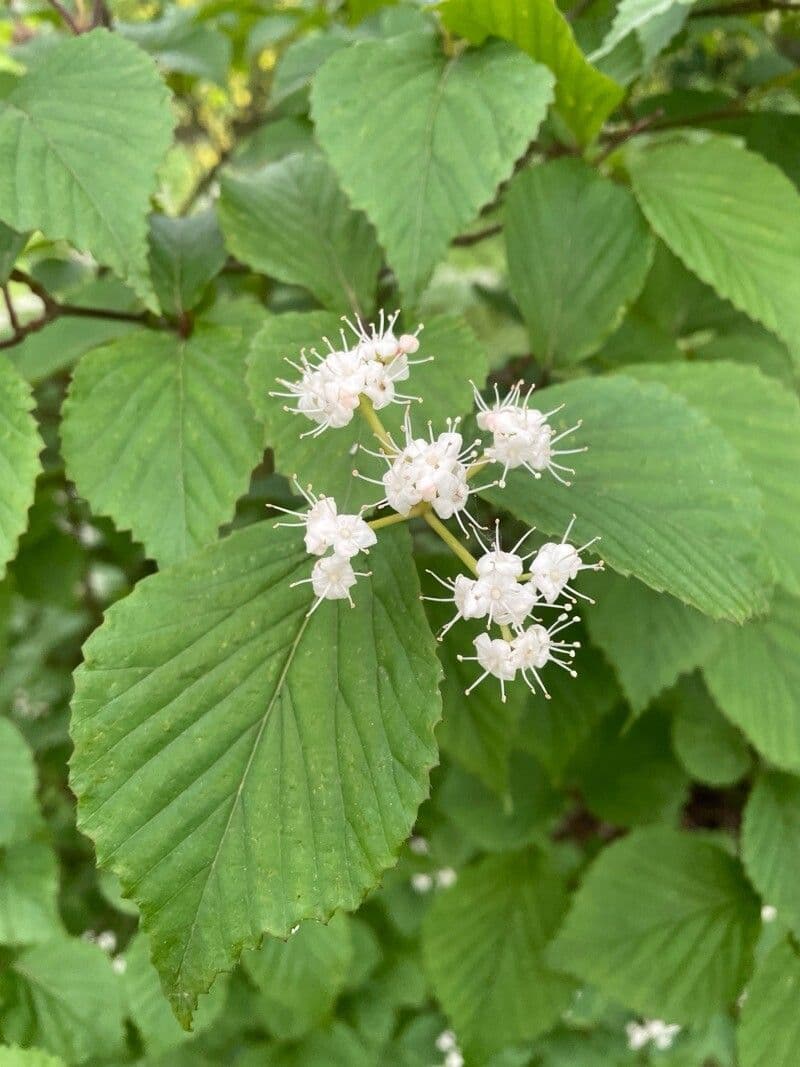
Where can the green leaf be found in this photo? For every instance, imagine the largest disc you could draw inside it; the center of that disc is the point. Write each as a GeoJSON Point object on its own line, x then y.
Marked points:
{"type": "Point", "coordinates": [553, 730]}
{"type": "Point", "coordinates": [337, 1046]}
{"type": "Point", "coordinates": [635, 16]}
{"type": "Point", "coordinates": [711, 749]}
{"type": "Point", "coordinates": [72, 999]}
{"type": "Point", "coordinates": [182, 43]}
{"type": "Point", "coordinates": [650, 638]}
{"type": "Point", "coordinates": [265, 764]}
{"type": "Point", "coordinates": [578, 254]}
{"type": "Point", "coordinates": [158, 433]}
{"type": "Point", "coordinates": [28, 889]}
{"type": "Point", "coordinates": [20, 445]}
{"type": "Point", "coordinates": [291, 220]}
{"type": "Point", "coordinates": [19, 811]}
{"type": "Point", "coordinates": [664, 923]}
{"type": "Point", "coordinates": [629, 777]}
{"type": "Point", "coordinates": [771, 843]}
{"type": "Point", "coordinates": [92, 118]}
{"type": "Point", "coordinates": [185, 254]}
{"type": "Point", "coordinates": [61, 344]}
{"type": "Point", "coordinates": [443, 383]}
{"type": "Point", "coordinates": [28, 1057]}
{"type": "Point", "coordinates": [733, 219]}
{"type": "Point", "coordinates": [148, 1008]}
{"type": "Point", "coordinates": [675, 518]}
{"type": "Point", "coordinates": [11, 244]}
{"type": "Point", "coordinates": [435, 138]}
{"type": "Point", "coordinates": [769, 1027]}
{"type": "Point", "coordinates": [300, 979]}
{"type": "Point", "coordinates": [482, 944]}
{"type": "Point", "coordinates": [761, 419]}
{"type": "Point", "coordinates": [584, 96]}
{"type": "Point", "coordinates": [754, 676]}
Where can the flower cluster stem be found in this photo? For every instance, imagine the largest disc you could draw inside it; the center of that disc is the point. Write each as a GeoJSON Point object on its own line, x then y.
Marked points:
{"type": "Point", "coordinates": [369, 413]}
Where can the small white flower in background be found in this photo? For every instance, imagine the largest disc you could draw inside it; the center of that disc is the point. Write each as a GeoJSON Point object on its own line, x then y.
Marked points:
{"type": "Point", "coordinates": [119, 965]}
{"type": "Point", "coordinates": [419, 845]}
{"type": "Point", "coordinates": [454, 1059]}
{"type": "Point", "coordinates": [522, 436]}
{"type": "Point", "coordinates": [446, 877]}
{"type": "Point", "coordinates": [769, 913]}
{"type": "Point", "coordinates": [557, 564]}
{"type": "Point", "coordinates": [446, 1043]}
{"type": "Point", "coordinates": [655, 1031]}
{"type": "Point", "coordinates": [421, 882]}
{"type": "Point", "coordinates": [107, 941]}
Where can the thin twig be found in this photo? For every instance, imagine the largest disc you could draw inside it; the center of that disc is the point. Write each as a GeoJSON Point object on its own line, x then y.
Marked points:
{"type": "Point", "coordinates": [467, 239]}
{"type": "Point", "coordinates": [12, 315]}
{"type": "Point", "coordinates": [745, 7]}
{"type": "Point", "coordinates": [65, 15]}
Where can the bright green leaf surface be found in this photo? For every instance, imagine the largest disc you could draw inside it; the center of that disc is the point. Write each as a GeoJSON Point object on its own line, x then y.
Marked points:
{"type": "Point", "coordinates": [710, 747]}
{"type": "Point", "coordinates": [291, 220]}
{"type": "Point", "coordinates": [299, 979]}
{"type": "Point", "coordinates": [185, 254]}
{"type": "Point", "coordinates": [328, 463]}
{"type": "Point", "coordinates": [649, 637]}
{"type": "Point", "coordinates": [28, 1057]}
{"type": "Point", "coordinates": [761, 419]}
{"type": "Point", "coordinates": [754, 676]}
{"type": "Point", "coordinates": [733, 219]}
{"type": "Point", "coordinates": [482, 944]}
{"type": "Point", "coordinates": [769, 1028]}
{"type": "Point", "coordinates": [19, 459]}
{"type": "Point", "coordinates": [74, 999]}
{"type": "Point", "coordinates": [11, 244]}
{"type": "Point", "coordinates": [584, 96]}
{"type": "Point", "coordinates": [28, 888]}
{"type": "Point", "coordinates": [578, 253]}
{"type": "Point", "coordinates": [267, 763]}
{"type": "Point", "coordinates": [158, 433]}
{"type": "Point", "coordinates": [421, 142]}
{"type": "Point", "coordinates": [683, 521]}
{"type": "Point", "coordinates": [91, 118]}
{"type": "Point", "coordinates": [665, 924]}
{"type": "Point", "coordinates": [771, 843]}
{"type": "Point", "coordinates": [19, 812]}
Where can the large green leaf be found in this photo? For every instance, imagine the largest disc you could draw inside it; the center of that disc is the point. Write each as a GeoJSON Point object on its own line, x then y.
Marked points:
{"type": "Point", "coordinates": [19, 812]}
{"type": "Point", "coordinates": [421, 141]}
{"type": "Point", "coordinates": [11, 244]}
{"type": "Point", "coordinates": [584, 96]}
{"type": "Point", "coordinates": [159, 434]}
{"type": "Point", "coordinates": [761, 419]}
{"type": "Point", "coordinates": [19, 459]}
{"type": "Point", "coordinates": [291, 220]}
{"type": "Point", "coordinates": [482, 943]}
{"type": "Point", "coordinates": [73, 1004]}
{"type": "Point", "coordinates": [649, 637]}
{"type": "Point", "coordinates": [185, 254]}
{"type": "Point", "coordinates": [665, 924]}
{"type": "Point", "coordinates": [637, 16]}
{"type": "Point", "coordinates": [28, 888]}
{"type": "Point", "coordinates": [81, 136]}
{"type": "Point", "coordinates": [578, 254]}
{"type": "Point", "coordinates": [769, 1027]}
{"type": "Point", "coordinates": [28, 1057]}
{"type": "Point", "coordinates": [709, 746]}
{"type": "Point", "coordinates": [771, 843]}
{"type": "Point", "coordinates": [299, 979]}
{"type": "Point", "coordinates": [754, 676]}
{"type": "Point", "coordinates": [242, 766]}
{"type": "Point", "coordinates": [733, 219]}
{"type": "Point", "coordinates": [328, 463]}
{"type": "Point", "coordinates": [684, 521]}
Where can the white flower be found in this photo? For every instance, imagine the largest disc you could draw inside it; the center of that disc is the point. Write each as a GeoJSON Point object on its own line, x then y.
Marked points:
{"type": "Point", "coordinates": [557, 564]}
{"type": "Point", "coordinates": [419, 845]}
{"type": "Point", "coordinates": [446, 1041]}
{"type": "Point", "coordinates": [347, 535]}
{"type": "Point", "coordinates": [661, 1034]}
{"type": "Point", "coordinates": [522, 436]}
{"type": "Point", "coordinates": [421, 883]}
{"type": "Point", "coordinates": [332, 578]}
{"type": "Point", "coordinates": [769, 913]}
{"type": "Point", "coordinates": [454, 1059]}
{"type": "Point", "coordinates": [535, 647]}
{"type": "Point", "coordinates": [496, 656]}
{"type": "Point", "coordinates": [446, 878]}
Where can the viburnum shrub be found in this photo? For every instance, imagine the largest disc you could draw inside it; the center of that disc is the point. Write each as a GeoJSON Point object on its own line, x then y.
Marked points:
{"type": "Point", "coordinates": [399, 533]}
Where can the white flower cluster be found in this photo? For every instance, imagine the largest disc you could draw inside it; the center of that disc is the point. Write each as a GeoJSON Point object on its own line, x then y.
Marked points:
{"type": "Point", "coordinates": [447, 1044]}
{"type": "Point", "coordinates": [330, 385]}
{"type": "Point", "coordinates": [652, 1031]}
{"type": "Point", "coordinates": [332, 576]}
{"type": "Point", "coordinates": [431, 476]}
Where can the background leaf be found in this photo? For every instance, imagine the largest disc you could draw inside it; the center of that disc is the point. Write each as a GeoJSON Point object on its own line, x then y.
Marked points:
{"type": "Point", "coordinates": [185, 254]}
{"type": "Point", "coordinates": [679, 951]}
{"type": "Point", "coordinates": [291, 220]}
{"type": "Point", "coordinates": [578, 252]}
{"type": "Point", "coordinates": [769, 1029]}
{"type": "Point", "coordinates": [28, 888]}
{"type": "Point", "coordinates": [68, 185]}
{"type": "Point", "coordinates": [421, 142]}
{"type": "Point", "coordinates": [710, 747]}
{"type": "Point", "coordinates": [19, 460]}
{"type": "Point", "coordinates": [771, 843]}
{"type": "Point", "coordinates": [267, 814]}
{"type": "Point", "coordinates": [170, 460]}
